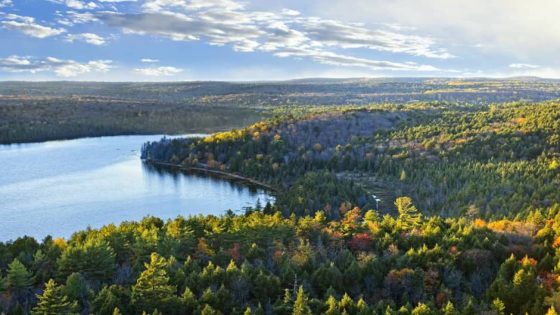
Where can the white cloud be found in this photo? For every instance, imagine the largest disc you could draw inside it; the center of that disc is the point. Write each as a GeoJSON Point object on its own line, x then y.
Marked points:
{"type": "Point", "coordinates": [5, 3]}
{"type": "Point", "coordinates": [61, 67]}
{"type": "Point", "coordinates": [331, 58]}
{"type": "Point", "coordinates": [77, 4]}
{"type": "Point", "coordinates": [29, 26]}
{"type": "Point", "coordinates": [149, 60]}
{"type": "Point", "coordinates": [525, 31]}
{"type": "Point", "coordinates": [158, 71]}
{"type": "Point", "coordinates": [89, 38]}
{"type": "Point", "coordinates": [523, 66]}
{"type": "Point", "coordinates": [71, 18]}
{"type": "Point", "coordinates": [285, 34]}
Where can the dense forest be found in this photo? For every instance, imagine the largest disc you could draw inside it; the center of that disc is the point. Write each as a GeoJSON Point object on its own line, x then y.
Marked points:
{"type": "Point", "coordinates": [468, 222]}
{"type": "Point", "coordinates": [364, 263]}
{"type": "Point", "coordinates": [40, 111]}
{"type": "Point", "coordinates": [482, 160]}
{"type": "Point", "coordinates": [42, 119]}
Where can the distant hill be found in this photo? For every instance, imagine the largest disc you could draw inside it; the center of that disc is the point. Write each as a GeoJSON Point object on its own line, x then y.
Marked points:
{"type": "Point", "coordinates": [38, 111]}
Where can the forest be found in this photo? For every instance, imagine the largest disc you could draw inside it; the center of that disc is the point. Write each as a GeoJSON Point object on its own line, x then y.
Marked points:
{"type": "Point", "coordinates": [468, 222]}
{"type": "Point", "coordinates": [257, 263]}
{"type": "Point", "coordinates": [41, 111]}
{"type": "Point", "coordinates": [489, 161]}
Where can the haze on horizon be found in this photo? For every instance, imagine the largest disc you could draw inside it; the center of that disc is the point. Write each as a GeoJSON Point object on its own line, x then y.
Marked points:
{"type": "Point", "coordinates": [177, 40]}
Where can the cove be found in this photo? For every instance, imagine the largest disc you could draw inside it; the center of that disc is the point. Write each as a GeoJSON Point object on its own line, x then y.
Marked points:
{"type": "Point", "coordinates": [60, 187]}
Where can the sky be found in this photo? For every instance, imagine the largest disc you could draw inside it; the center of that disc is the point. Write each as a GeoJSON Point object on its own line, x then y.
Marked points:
{"type": "Point", "coordinates": [178, 40]}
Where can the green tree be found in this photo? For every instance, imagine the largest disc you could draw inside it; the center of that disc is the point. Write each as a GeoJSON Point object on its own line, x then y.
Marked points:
{"type": "Point", "coordinates": [19, 282]}
{"type": "Point", "coordinates": [109, 298]}
{"type": "Point", "coordinates": [152, 289]}
{"type": "Point", "coordinates": [449, 309]}
{"type": "Point", "coordinates": [95, 260]}
{"type": "Point", "coordinates": [76, 289]}
{"type": "Point", "coordinates": [54, 302]}
{"type": "Point", "coordinates": [332, 306]}
{"type": "Point", "coordinates": [19, 278]}
{"type": "Point", "coordinates": [301, 304]}
{"type": "Point", "coordinates": [498, 306]}
{"type": "Point", "coordinates": [422, 309]}
{"type": "Point", "coordinates": [188, 301]}
{"type": "Point", "coordinates": [409, 216]}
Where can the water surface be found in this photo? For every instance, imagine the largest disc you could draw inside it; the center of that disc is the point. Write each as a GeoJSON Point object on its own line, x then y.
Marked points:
{"type": "Point", "coordinates": [59, 187]}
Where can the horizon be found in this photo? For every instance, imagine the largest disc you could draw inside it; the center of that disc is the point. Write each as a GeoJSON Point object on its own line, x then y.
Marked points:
{"type": "Point", "coordinates": [522, 78]}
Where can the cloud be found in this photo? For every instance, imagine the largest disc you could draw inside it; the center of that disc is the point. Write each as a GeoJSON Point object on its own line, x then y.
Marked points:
{"type": "Point", "coordinates": [331, 58]}
{"type": "Point", "coordinates": [28, 26]}
{"type": "Point", "coordinates": [284, 34]}
{"type": "Point", "coordinates": [77, 4]}
{"type": "Point", "coordinates": [5, 3]}
{"type": "Point", "coordinates": [149, 60]}
{"type": "Point", "coordinates": [158, 71]}
{"type": "Point", "coordinates": [71, 18]}
{"type": "Point", "coordinates": [89, 38]}
{"type": "Point", "coordinates": [62, 68]}
{"type": "Point", "coordinates": [523, 66]}
{"type": "Point", "coordinates": [521, 30]}
{"type": "Point", "coordinates": [344, 35]}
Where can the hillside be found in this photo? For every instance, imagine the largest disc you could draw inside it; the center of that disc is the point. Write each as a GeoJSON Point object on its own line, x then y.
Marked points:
{"type": "Point", "coordinates": [488, 160]}
{"type": "Point", "coordinates": [325, 247]}
{"type": "Point", "coordinates": [39, 111]}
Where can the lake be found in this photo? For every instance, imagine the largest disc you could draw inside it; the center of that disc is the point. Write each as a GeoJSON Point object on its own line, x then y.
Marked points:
{"type": "Point", "coordinates": [59, 187]}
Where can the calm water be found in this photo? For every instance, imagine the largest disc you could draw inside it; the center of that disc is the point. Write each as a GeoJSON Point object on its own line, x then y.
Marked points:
{"type": "Point", "coordinates": [59, 187]}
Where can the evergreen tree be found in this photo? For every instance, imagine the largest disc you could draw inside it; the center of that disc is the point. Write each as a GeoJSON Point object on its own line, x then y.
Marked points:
{"type": "Point", "coordinates": [152, 289]}
{"type": "Point", "coordinates": [332, 306]}
{"type": "Point", "coordinates": [19, 283]}
{"type": "Point", "coordinates": [208, 310]}
{"type": "Point", "coordinates": [301, 304]}
{"type": "Point", "coordinates": [19, 278]}
{"type": "Point", "coordinates": [188, 301]}
{"type": "Point", "coordinates": [449, 309]}
{"type": "Point", "coordinates": [76, 289]}
{"type": "Point", "coordinates": [409, 216]}
{"type": "Point", "coordinates": [54, 302]}
{"type": "Point", "coordinates": [498, 306]}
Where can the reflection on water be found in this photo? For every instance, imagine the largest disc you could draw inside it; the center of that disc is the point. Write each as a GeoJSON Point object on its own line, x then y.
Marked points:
{"type": "Point", "coordinates": [60, 187]}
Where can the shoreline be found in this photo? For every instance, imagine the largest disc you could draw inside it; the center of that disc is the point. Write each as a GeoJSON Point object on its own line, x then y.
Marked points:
{"type": "Point", "coordinates": [229, 175]}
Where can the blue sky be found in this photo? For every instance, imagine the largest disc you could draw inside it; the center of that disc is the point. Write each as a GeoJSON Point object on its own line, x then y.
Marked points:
{"type": "Point", "coordinates": [169, 40]}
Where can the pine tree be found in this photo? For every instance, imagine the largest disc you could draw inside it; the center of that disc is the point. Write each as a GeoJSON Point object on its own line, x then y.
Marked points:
{"type": "Point", "coordinates": [208, 310]}
{"type": "Point", "coordinates": [332, 306]}
{"type": "Point", "coordinates": [152, 289]}
{"type": "Point", "coordinates": [409, 216]}
{"type": "Point", "coordinates": [449, 309]}
{"type": "Point", "coordinates": [106, 301]}
{"type": "Point", "coordinates": [76, 289]}
{"type": "Point", "coordinates": [19, 279]}
{"type": "Point", "coordinates": [188, 300]}
{"type": "Point", "coordinates": [54, 302]}
{"type": "Point", "coordinates": [498, 306]}
{"type": "Point", "coordinates": [362, 307]}
{"type": "Point", "coordinates": [551, 311]}
{"type": "Point", "coordinates": [116, 311]}
{"type": "Point", "coordinates": [301, 304]}
{"type": "Point", "coordinates": [389, 311]}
